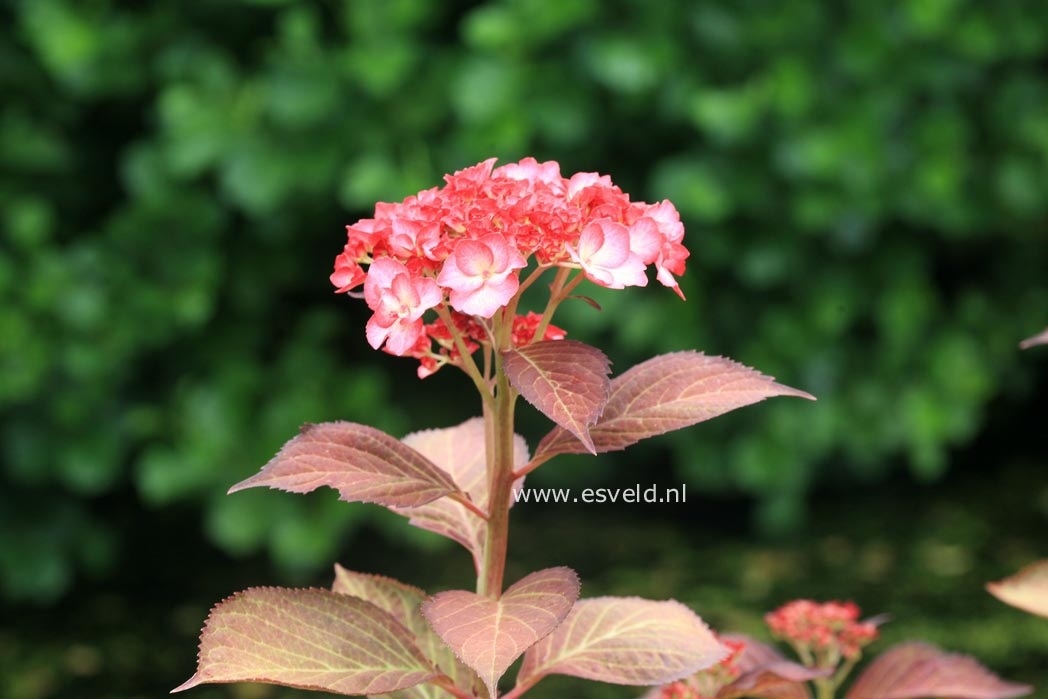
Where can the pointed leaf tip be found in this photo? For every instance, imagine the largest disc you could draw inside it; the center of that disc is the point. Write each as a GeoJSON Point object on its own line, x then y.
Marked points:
{"type": "Point", "coordinates": [354, 647]}
{"type": "Point", "coordinates": [1026, 590]}
{"type": "Point", "coordinates": [488, 635]}
{"type": "Point", "coordinates": [922, 671]}
{"type": "Point", "coordinates": [362, 463]}
{"type": "Point", "coordinates": [667, 393]}
{"type": "Point", "coordinates": [625, 640]}
{"type": "Point", "coordinates": [566, 380]}
{"type": "Point", "coordinates": [1039, 339]}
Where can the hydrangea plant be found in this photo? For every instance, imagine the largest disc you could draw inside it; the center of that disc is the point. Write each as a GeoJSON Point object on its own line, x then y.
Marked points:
{"type": "Point", "coordinates": [443, 273]}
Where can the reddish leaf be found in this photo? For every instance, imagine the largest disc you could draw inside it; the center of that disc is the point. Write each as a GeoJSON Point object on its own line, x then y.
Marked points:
{"type": "Point", "coordinates": [922, 671]}
{"type": "Point", "coordinates": [667, 393]}
{"type": "Point", "coordinates": [1039, 339]}
{"type": "Point", "coordinates": [488, 635]}
{"type": "Point", "coordinates": [625, 640]}
{"type": "Point", "coordinates": [765, 673]}
{"type": "Point", "coordinates": [565, 379]}
{"type": "Point", "coordinates": [363, 464]}
{"type": "Point", "coordinates": [403, 603]}
{"type": "Point", "coordinates": [1027, 589]}
{"type": "Point", "coordinates": [460, 452]}
{"type": "Point", "coordinates": [311, 639]}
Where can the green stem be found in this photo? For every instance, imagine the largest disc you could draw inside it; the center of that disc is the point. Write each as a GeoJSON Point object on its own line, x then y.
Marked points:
{"type": "Point", "coordinates": [824, 688]}
{"type": "Point", "coordinates": [499, 429]}
{"type": "Point", "coordinates": [468, 365]}
{"type": "Point", "coordinates": [843, 673]}
{"type": "Point", "coordinates": [559, 290]}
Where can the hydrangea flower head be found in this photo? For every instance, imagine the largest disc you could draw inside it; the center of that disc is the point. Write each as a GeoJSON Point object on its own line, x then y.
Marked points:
{"type": "Point", "coordinates": [459, 251]}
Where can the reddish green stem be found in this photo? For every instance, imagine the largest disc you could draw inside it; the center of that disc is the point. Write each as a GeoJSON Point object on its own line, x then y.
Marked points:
{"type": "Point", "coordinates": [499, 423]}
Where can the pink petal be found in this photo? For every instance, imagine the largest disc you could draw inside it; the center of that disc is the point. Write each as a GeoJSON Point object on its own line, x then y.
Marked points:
{"type": "Point", "coordinates": [404, 291]}
{"type": "Point", "coordinates": [668, 219]}
{"type": "Point", "coordinates": [499, 250]}
{"type": "Point", "coordinates": [380, 277]}
{"type": "Point", "coordinates": [473, 257]}
{"type": "Point", "coordinates": [487, 299]}
{"type": "Point", "coordinates": [630, 273]}
{"type": "Point", "coordinates": [581, 180]}
{"type": "Point", "coordinates": [453, 278]}
{"type": "Point", "coordinates": [402, 336]}
{"type": "Point", "coordinates": [429, 293]}
{"type": "Point", "coordinates": [645, 239]}
{"type": "Point", "coordinates": [376, 333]}
{"type": "Point", "coordinates": [616, 248]}
{"type": "Point", "coordinates": [347, 274]}
{"type": "Point", "coordinates": [590, 242]}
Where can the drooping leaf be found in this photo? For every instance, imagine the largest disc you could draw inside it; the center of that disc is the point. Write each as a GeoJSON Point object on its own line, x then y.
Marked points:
{"type": "Point", "coordinates": [488, 635]}
{"type": "Point", "coordinates": [362, 463]}
{"type": "Point", "coordinates": [667, 393]}
{"type": "Point", "coordinates": [460, 452]}
{"type": "Point", "coordinates": [922, 671]}
{"type": "Point", "coordinates": [1027, 589]}
{"type": "Point", "coordinates": [1039, 339]}
{"type": "Point", "coordinates": [765, 673]}
{"type": "Point", "coordinates": [625, 640]}
{"type": "Point", "coordinates": [311, 639]}
{"type": "Point", "coordinates": [404, 603]}
{"type": "Point", "coordinates": [566, 380]}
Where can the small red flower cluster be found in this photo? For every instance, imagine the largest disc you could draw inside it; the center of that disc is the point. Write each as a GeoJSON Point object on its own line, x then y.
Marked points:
{"type": "Point", "coordinates": [829, 631]}
{"type": "Point", "coordinates": [463, 245]}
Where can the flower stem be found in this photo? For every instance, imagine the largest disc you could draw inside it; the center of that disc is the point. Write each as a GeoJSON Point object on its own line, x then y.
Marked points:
{"type": "Point", "coordinates": [824, 688]}
{"type": "Point", "coordinates": [468, 365]}
{"type": "Point", "coordinates": [499, 424]}
{"type": "Point", "coordinates": [559, 290]}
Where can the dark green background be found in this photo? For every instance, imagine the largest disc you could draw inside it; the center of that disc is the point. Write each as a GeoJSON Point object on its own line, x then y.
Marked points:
{"type": "Point", "coordinates": [865, 191]}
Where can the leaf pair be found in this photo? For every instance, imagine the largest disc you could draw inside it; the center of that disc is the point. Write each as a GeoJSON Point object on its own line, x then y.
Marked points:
{"type": "Point", "coordinates": [568, 382]}
{"type": "Point", "coordinates": [609, 639]}
{"type": "Point", "coordinates": [487, 634]}
{"type": "Point", "coordinates": [428, 475]}
{"type": "Point", "coordinates": [373, 635]}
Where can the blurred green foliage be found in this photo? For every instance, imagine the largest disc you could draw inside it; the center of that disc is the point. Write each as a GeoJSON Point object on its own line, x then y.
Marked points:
{"type": "Point", "coordinates": [865, 188]}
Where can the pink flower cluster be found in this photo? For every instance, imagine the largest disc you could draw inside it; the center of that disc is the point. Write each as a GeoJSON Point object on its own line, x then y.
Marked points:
{"type": "Point", "coordinates": [827, 630]}
{"type": "Point", "coordinates": [464, 245]}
